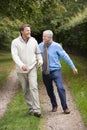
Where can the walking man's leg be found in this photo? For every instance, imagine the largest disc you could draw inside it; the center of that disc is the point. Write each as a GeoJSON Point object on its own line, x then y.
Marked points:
{"type": "Point", "coordinates": [60, 88]}
{"type": "Point", "coordinates": [50, 91]}
{"type": "Point", "coordinates": [33, 87]}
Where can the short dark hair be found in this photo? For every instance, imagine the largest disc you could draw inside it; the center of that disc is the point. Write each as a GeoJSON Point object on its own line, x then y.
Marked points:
{"type": "Point", "coordinates": [23, 26]}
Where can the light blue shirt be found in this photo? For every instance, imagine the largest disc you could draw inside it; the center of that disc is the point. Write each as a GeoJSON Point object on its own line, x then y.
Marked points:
{"type": "Point", "coordinates": [55, 52]}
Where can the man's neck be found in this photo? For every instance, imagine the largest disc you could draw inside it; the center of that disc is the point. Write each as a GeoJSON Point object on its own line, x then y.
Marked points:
{"type": "Point", "coordinates": [25, 39]}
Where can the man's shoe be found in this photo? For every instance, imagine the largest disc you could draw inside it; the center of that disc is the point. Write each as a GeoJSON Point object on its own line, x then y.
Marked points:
{"type": "Point", "coordinates": [31, 113]}
{"type": "Point", "coordinates": [37, 114]}
{"type": "Point", "coordinates": [54, 109]}
{"type": "Point", "coordinates": [67, 111]}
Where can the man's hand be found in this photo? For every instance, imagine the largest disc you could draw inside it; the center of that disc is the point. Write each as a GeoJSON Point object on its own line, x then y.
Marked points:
{"type": "Point", "coordinates": [39, 65]}
{"type": "Point", "coordinates": [24, 68]}
{"type": "Point", "coordinates": [75, 71]}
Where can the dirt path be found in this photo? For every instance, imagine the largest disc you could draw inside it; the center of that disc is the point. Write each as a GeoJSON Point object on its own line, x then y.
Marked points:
{"type": "Point", "coordinates": [58, 120]}
{"type": "Point", "coordinates": [53, 121]}
{"type": "Point", "coordinates": [7, 91]}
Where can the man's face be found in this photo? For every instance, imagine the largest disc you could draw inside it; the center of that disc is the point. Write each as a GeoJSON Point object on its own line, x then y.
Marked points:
{"type": "Point", "coordinates": [26, 32]}
{"type": "Point", "coordinates": [46, 38]}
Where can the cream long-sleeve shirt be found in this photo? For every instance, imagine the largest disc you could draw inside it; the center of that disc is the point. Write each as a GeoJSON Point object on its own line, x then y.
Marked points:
{"type": "Point", "coordinates": [25, 53]}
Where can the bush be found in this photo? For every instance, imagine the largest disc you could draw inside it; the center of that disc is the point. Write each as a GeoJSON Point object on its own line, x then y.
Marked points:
{"type": "Point", "coordinates": [73, 35]}
{"type": "Point", "coordinates": [8, 31]}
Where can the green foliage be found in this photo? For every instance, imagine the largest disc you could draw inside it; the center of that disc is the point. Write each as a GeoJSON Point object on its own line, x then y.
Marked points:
{"type": "Point", "coordinates": [77, 19]}
{"type": "Point", "coordinates": [8, 31]}
{"type": "Point", "coordinates": [40, 14]}
{"type": "Point", "coordinates": [6, 65]}
{"type": "Point", "coordinates": [26, 11]}
{"type": "Point", "coordinates": [75, 33]}
{"type": "Point", "coordinates": [52, 12]}
{"type": "Point", "coordinates": [73, 7]}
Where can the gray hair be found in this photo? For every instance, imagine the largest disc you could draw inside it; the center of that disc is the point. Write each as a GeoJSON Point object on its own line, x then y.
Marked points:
{"type": "Point", "coordinates": [48, 32]}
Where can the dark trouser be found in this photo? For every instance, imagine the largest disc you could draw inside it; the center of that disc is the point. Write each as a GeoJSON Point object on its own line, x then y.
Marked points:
{"type": "Point", "coordinates": [55, 76]}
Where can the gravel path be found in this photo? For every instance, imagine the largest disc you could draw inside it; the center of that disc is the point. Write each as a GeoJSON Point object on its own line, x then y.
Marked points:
{"type": "Point", "coordinates": [58, 120]}
{"type": "Point", "coordinates": [52, 120]}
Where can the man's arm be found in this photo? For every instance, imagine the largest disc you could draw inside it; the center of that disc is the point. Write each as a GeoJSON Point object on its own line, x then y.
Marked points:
{"type": "Point", "coordinates": [67, 59]}
{"type": "Point", "coordinates": [16, 58]}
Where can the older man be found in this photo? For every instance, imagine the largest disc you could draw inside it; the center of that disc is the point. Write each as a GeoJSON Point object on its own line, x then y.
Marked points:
{"type": "Point", "coordinates": [51, 70]}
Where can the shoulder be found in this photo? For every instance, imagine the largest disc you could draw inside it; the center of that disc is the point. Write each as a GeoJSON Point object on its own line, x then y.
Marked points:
{"type": "Point", "coordinates": [41, 44]}
{"type": "Point", "coordinates": [56, 44]}
{"type": "Point", "coordinates": [14, 41]}
{"type": "Point", "coordinates": [33, 39]}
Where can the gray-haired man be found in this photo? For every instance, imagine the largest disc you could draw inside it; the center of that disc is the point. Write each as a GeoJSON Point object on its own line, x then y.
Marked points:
{"type": "Point", "coordinates": [51, 69]}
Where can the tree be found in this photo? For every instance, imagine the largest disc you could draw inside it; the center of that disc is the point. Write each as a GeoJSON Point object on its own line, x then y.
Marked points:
{"type": "Point", "coordinates": [40, 14]}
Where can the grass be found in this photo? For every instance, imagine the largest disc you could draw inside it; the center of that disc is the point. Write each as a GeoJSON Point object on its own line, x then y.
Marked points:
{"type": "Point", "coordinates": [16, 116]}
{"type": "Point", "coordinates": [78, 83]}
{"type": "Point", "coordinates": [6, 65]}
